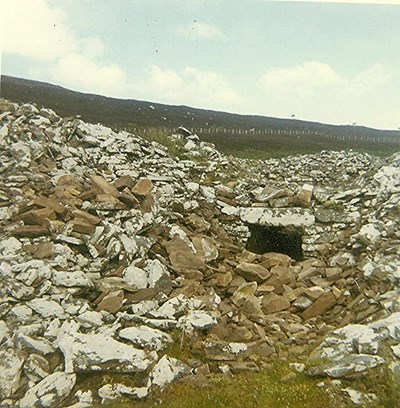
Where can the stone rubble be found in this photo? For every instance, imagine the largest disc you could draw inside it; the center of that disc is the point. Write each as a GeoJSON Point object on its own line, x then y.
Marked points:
{"type": "Point", "coordinates": [110, 247]}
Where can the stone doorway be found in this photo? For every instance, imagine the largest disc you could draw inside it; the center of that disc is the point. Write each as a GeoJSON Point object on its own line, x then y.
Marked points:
{"type": "Point", "coordinates": [285, 240]}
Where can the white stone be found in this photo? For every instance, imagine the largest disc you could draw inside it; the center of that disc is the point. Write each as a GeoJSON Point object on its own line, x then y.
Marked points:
{"type": "Point", "coordinates": [47, 308]}
{"type": "Point", "coordinates": [193, 187]}
{"type": "Point", "coordinates": [368, 268]}
{"type": "Point", "coordinates": [396, 350]}
{"type": "Point", "coordinates": [166, 371]}
{"type": "Point", "coordinates": [49, 392]}
{"type": "Point", "coordinates": [208, 193]}
{"type": "Point", "coordinates": [146, 337]}
{"type": "Point", "coordinates": [206, 248]}
{"type": "Point", "coordinates": [176, 230]}
{"type": "Point", "coordinates": [10, 247]}
{"type": "Point", "coordinates": [33, 329]}
{"type": "Point", "coordinates": [196, 319]}
{"type": "Point", "coordinates": [388, 178]}
{"type": "Point", "coordinates": [91, 318]}
{"type": "Point", "coordinates": [10, 372]}
{"type": "Point", "coordinates": [33, 271]}
{"type": "Point", "coordinates": [4, 331]}
{"type": "Point", "coordinates": [85, 352]}
{"type": "Point", "coordinates": [36, 367]}
{"type": "Point", "coordinates": [359, 398]}
{"type": "Point", "coordinates": [6, 214]}
{"type": "Point", "coordinates": [156, 270]}
{"type": "Point", "coordinates": [299, 367]}
{"type": "Point", "coordinates": [281, 217]}
{"type": "Point", "coordinates": [162, 324]}
{"type": "Point", "coordinates": [229, 209]}
{"type": "Point", "coordinates": [171, 307]}
{"type": "Point", "coordinates": [40, 121]}
{"type": "Point", "coordinates": [85, 399]}
{"type": "Point", "coordinates": [307, 187]}
{"type": "Point", "coordinates": [353, 363]}
{"type": "Point", "coordinates": [287, 217]}
{"type": "Point", "coordinates": [144, 307]}
{"type": "Point", "coordinates": [109, 392]}
{"type": "Point", "coordinates": [6, 270]}
{"type": "Point", "coordinates": [129, 244]}
{"type": "Point", "coordinates": [236, 348]}
{"type": "Point", "coordinates": [52, 329]}
{"type": "Point", "coordinates": [190, 145]}
{"type": "Point", "coordinates": [347, 340]}
{"type": "Point", "coordinates": [136, 277]}
{"type": "Point", "coordinates": [62, 254]}
{"type": "Point", "coordinates": [39, 345]}
{"type": "Point", "coordinates": [71, 279]}
{"type": "Point", "coordinates": [22, 312]}
{"type": "Point", "coordinates": [389, 326]}
{"type": "Point", "coordinates": [369, 233]}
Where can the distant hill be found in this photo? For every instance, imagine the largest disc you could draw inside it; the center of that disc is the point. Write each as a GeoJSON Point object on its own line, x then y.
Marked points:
{"type": "Point", "coordinates": [237, 134]}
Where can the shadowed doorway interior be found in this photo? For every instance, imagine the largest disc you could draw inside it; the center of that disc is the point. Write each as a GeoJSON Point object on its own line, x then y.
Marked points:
{"type": "Point", "coordinates": [284, 240]}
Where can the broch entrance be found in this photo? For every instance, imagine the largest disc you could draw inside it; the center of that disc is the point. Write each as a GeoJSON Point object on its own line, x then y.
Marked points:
{"type": "Point", "coordinates": [285, 240]}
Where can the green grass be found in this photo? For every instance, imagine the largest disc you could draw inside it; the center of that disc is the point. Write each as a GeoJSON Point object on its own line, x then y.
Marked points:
{"type": "Point", "coordinates": [277, 387]}
{"type": "Point", "coordinates": [174, 146]}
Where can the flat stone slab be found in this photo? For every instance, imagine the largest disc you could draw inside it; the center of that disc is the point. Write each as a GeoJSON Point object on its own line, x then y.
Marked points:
{"type": "Point", "coordinates": [97, 352]}
{"type": "Point", "coordinates": [253, 272]}
{"type": "Point", "coordinates": [146, 337]}
{"type": "Point", "coordinates": [166, 371]}
{"type": "Point", "coordinates": [10, 371]}
{"type": "Point", "coordinates": [222, 350]}
{"type": "Point", "coordinates": [349, 366]}
{"type": "Point", "coordinates": [278, 217]}
{"type": "Point", "coordinates": [49, 392]}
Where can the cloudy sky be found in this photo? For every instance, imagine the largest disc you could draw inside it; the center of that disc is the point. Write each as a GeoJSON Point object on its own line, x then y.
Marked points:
{"type": "Point", "coordinates": [328, 61]}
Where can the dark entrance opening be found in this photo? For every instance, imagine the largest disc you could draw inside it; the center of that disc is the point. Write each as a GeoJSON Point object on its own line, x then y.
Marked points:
{"type": "Point", "coordinates": [284, 240]}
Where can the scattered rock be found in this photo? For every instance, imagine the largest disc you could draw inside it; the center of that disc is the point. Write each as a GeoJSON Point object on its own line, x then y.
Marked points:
{"type": "Point", "coordinates": [49, 392]}
{"type": "Point", "coordinates": [252, 272]}
{"type": "Point", "coordinates": [166, 371]}
{"type": "Point", "coordinates": [93, 352]}
{"type": "Point", "coordinates": [11, 363]}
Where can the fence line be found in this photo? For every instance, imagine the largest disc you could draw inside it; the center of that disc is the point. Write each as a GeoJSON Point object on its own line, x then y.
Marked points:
{"type": "Point", "coordinates": [269, 131]}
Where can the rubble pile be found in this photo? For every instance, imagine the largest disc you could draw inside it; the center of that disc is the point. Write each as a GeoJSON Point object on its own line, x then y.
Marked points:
{"type": "Point", "coordinates": [112, 250]}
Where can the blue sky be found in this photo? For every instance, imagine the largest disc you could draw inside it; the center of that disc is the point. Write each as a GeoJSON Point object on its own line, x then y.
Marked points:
{"type": "Point", "coordinates": [334, 62]}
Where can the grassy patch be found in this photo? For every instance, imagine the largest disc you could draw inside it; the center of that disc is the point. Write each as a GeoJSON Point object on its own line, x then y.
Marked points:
{"type": "Point", "coordinates": [278, 387]}
{"type": "Point", "coordinates": [174, 146]}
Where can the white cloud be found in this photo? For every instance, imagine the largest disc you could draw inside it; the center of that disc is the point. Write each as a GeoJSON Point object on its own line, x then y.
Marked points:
{"type": "Point", "coordinates": [80, 72]}
{"type": "Point", "coordinates": [190, 86]}
{"type": "Point", "coordinates": [92, 46]}
{"type": "Point", "coordinates": [203, 31]}
{"type": "Point", "coordinates": [305, 79]}
{"type": "Point", "coordinates": [315, 91]}
{"type": "Point", "coordinates": [35, 30]}
{"type": "Point", "coordinates": [39, 31]}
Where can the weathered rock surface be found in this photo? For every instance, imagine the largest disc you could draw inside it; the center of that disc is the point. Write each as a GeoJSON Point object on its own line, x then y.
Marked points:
{"type": "Point", "coordinates": [50, 392]}
{"type": "Point", "coordinates": [98, 351]}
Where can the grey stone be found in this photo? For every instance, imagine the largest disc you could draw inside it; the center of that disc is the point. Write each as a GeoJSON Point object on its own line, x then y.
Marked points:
{"type": "Point", "coordinates": [49, 392]}
{"type": "Point", "coordinates": [94, 352]}
{"type": "Point", "coordinates": [11, 363]}
{"type": "Point", "coordinates": [146, 337]}
{"type": "Point", "coordinates": [166, 371]}
{"type": "Point", "coordinates": [348, 366]}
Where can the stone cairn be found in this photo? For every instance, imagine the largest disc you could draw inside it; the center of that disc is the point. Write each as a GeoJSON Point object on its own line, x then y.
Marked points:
{"type": "Point", "coordinates": [111, 251]}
